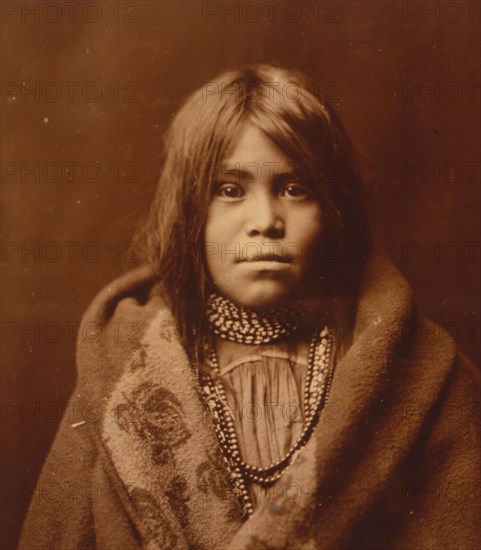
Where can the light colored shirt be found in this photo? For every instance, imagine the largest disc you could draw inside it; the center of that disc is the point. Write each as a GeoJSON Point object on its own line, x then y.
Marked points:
{"type": "Point", "coordinates": [264, 386]}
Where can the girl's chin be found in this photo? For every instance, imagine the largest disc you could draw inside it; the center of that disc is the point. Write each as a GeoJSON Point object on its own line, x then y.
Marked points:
{"type": "Point", "coordinates": [260, 295]}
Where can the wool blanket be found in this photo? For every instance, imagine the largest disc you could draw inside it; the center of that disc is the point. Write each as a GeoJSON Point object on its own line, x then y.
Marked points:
{"type": "Point", "coordinates": [394, 464]}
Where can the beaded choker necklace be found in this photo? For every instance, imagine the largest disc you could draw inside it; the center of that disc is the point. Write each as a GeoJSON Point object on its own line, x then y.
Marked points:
{"type": "Point", "coordinates": [245, 326]}
{"type": "Point", "coordinates": [316, 390]}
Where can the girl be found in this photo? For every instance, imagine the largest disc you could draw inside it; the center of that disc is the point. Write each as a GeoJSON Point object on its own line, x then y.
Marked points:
{"type": "Point", "coordinates": [264, 380]}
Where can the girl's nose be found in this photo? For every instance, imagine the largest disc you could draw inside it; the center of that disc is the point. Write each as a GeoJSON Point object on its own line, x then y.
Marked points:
{"type": "Point", "coordinates": [264, 218]}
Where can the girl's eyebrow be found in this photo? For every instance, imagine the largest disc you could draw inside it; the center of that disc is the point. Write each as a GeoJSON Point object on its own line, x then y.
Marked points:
{"type": "Point", "coordinates": [237, 174]}
{"type": "Point", "coordinates": [252, 174]}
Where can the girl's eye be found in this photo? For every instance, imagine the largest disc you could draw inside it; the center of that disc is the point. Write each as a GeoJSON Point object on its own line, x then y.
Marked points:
{"type": "Point", "coordinates": [229, 191]}
{"type": "Point", "coordinates": [296, 191]}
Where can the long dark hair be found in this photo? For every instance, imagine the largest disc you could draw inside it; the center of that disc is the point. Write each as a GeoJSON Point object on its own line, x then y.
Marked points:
{"type": "Point", "coordinates": [285, 106]}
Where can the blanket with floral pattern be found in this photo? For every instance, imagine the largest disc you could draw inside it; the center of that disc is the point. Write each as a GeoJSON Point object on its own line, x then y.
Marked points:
{"type": "Point", "coordinates": [397, 466]}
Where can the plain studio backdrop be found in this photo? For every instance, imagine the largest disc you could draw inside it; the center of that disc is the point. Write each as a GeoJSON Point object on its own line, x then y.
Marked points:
{"type": "Point", "coordinates": [87, 91]}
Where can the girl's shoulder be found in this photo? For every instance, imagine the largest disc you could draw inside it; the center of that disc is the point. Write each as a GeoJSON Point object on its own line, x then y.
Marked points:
{"type": "Point", "coordinates": [114, 323]}
{"type": "Point", "coordinates": [139, 288]}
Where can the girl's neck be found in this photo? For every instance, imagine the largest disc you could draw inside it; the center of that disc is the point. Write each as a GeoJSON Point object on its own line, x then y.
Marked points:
{"type": "Point", "coordinates": [289, 322]}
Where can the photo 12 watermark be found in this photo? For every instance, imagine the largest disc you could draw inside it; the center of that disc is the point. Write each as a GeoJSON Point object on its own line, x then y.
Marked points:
{"type": "Point", "coordinates": [69, 172]}
{"type": "Point", "coordinates": [68, 252]}
{"type": "Point", "coordinates": [436, 11]}
{"type": "Point", "coordinates": [291, 92]}
{"type": "Point", "coordinates": [69, 92]}
{"type": "Point", "coordinates": [118, 11]}
{"type": "Point", "coordinates": [271, 12]}
{"type": "Point", "coordinates": [52, 332]}
{"type": "Point", "coordinates": [423, 252]}
{"type": "Point", "coordinates": [435, 91]}
{"type": "Point", "coordinates": [467, 331]}
{"type": "Point", "coordinates": [449, 172]}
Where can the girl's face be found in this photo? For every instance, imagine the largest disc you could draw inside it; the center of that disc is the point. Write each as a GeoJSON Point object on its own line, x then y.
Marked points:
{"type": "Point", "coordinates": [262, 225]}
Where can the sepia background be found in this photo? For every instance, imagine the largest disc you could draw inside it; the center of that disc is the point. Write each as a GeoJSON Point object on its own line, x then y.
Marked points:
{"type": "Point", "coordinates": [87, 92]}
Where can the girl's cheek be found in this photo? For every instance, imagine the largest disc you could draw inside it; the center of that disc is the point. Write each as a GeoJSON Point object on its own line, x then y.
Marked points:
{"type": "Point", "coordinates": [309, 220]}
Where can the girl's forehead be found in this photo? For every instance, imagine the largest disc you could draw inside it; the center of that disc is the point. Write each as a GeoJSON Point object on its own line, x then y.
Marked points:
{"type": "Point", "coordinates": [252, 145]}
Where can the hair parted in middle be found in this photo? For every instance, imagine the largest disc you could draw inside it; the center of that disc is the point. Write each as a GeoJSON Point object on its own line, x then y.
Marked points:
{"type": "Point", "coordinates": [285, 106]}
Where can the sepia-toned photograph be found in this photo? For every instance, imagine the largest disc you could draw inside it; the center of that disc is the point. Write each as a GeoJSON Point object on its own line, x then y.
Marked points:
{"type": "Point", "coordinates": [240, 275]}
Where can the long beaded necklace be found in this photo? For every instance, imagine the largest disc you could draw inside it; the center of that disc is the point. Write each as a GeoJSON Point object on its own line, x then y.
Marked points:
{"type": "Point", "coordinates": [316, 389]}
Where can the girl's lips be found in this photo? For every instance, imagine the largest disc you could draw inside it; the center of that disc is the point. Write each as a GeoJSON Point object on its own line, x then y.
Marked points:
{"type": "Point", "coordinates": [266, 265]}
{"type": "Point", "coordinates": [269, 258]}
